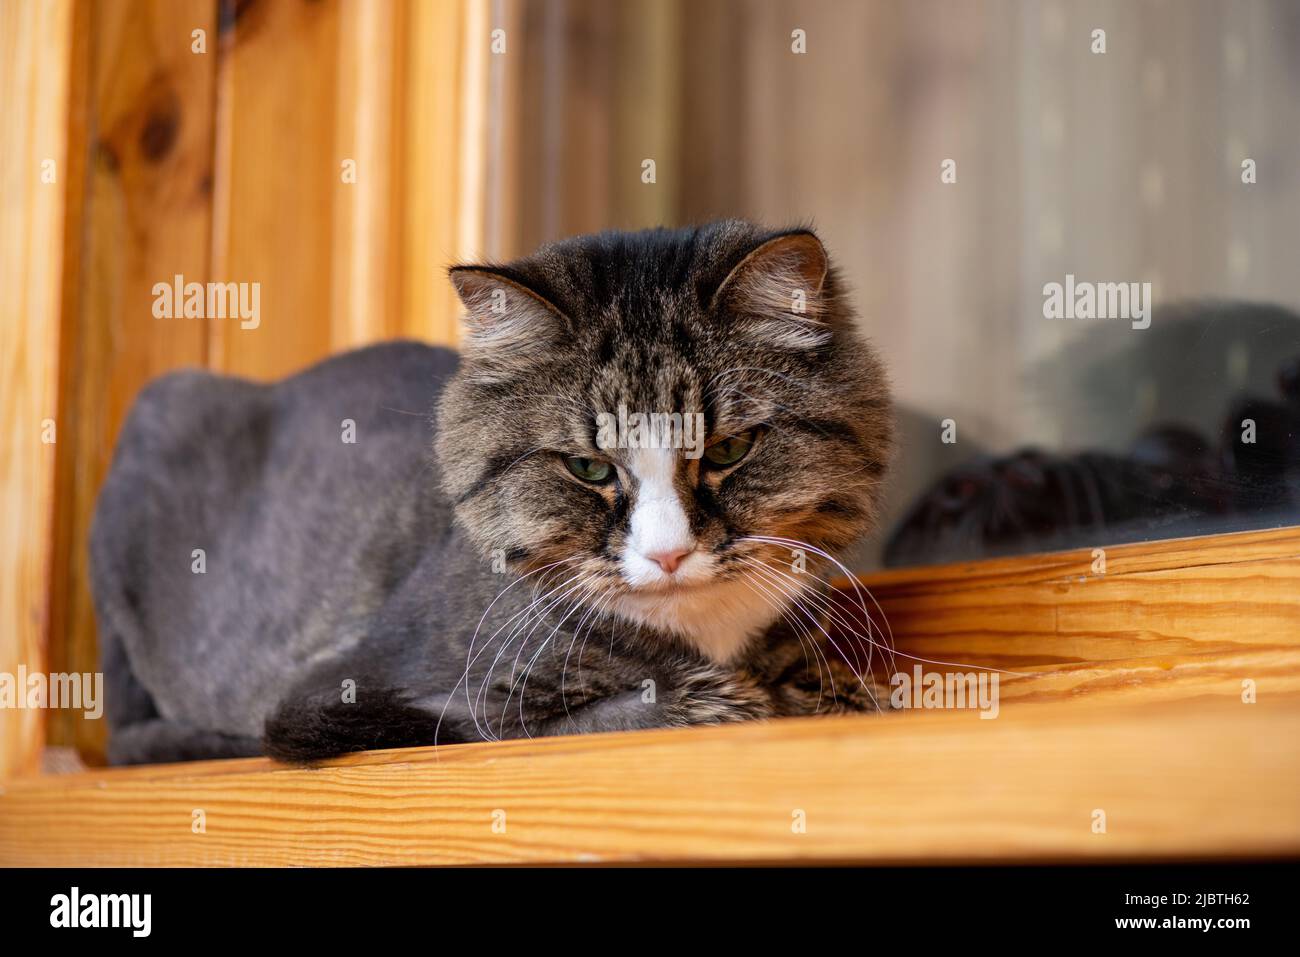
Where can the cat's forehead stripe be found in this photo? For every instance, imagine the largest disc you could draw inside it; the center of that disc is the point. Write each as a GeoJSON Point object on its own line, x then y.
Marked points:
{"type": "Point", "coordinates": [655, 471]}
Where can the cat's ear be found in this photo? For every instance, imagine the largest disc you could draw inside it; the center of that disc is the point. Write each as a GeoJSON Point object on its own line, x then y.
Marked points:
{"type": "Point", "coordinates": [503, 317]}
{"type": "Point", "coordinates": [778, 291]}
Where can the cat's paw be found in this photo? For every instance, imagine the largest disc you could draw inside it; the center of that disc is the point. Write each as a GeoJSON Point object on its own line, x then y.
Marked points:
{"type": "Point", "coordinates": [832, 688]}
{"type": "Point", "coordinates": [308, 726]}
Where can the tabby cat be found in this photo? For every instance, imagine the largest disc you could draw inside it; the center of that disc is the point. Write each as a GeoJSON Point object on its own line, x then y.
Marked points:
{"type": "Point", "coordinates": [404, 546]}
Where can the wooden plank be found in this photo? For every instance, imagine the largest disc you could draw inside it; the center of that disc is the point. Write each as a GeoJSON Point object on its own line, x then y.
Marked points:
{"type": "Point", "coordinates": [144, 146]}
{"type": "Point", "coordinates": [67, 649]}
{"type": "Point", "coordinates": [433, 191]}
{"type": "Point", "coordinates": [366, 298]}
{"type": "Point", "coordinates": [1174, 619]}
{"type": "Point", "coordinates": [346, 260]}
{"type": "Point", "coordinates": [1066, 566]}
{"type": "Point", "coordinates": [277, 171]}
{"type": "Point", "coordinates": [416, 205]}
{"type": "Point", "coordinates": [1192, 781]}
{"type": "Point", "coordinates": [35, 68]}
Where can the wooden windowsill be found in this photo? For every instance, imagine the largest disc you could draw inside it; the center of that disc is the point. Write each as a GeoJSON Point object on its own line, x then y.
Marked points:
{"type": "Point", "coordinates": [1200, 779]}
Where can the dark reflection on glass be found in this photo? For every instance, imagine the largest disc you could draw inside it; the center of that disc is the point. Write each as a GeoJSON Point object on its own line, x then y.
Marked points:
{"type": "Point", "coordinates": [1220, 450]}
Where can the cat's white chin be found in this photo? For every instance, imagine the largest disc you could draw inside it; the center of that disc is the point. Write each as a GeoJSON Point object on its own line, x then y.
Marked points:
{"type": "Point", "coordinates": [718, 618]}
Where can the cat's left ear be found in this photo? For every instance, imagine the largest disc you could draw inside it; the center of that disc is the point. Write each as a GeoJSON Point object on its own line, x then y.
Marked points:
{"type": "Point", "coordinates": [779, 290]}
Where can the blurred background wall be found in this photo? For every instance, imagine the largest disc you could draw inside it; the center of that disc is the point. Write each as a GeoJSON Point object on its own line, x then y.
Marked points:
{"type": "Point", "coordinates": [342, 153]}
{"type": "Point", "coordinates": [1122, 165]}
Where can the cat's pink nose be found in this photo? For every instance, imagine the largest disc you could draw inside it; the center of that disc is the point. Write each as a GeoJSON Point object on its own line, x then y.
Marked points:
{"type": "Point", "coordinates": [669, 561]}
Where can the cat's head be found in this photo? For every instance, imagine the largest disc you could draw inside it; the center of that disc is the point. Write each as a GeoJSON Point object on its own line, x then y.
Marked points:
{"type": "Point", "coordinates": [730, 344]}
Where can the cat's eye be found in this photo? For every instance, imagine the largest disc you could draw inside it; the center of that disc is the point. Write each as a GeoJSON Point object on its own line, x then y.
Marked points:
{"type": "Point", "coordinates": [589, 470]}
{"type": "Point", "coordinates": [730, 450]}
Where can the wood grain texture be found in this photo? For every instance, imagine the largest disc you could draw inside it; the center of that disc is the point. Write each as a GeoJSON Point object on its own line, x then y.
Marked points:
{"type": "Point", "coordinates": [278, 173]}
{"type": "Point", "coordinates": [35, 62]}
{"type": "Point", "coordinates": [1173, 619]}
{"type": "Point", "coordinates": [141, 130]}
{"type": "Point", "coordinates": [1266, 544]}
{"type": "Point", "coordinates": [343, 261]}
{"type": "Point", "coordinates": [434, 195]}
{"type": "Point", "coordinates": [1202, 780]}
{"type": "Point", "coordinates": [366, 302]}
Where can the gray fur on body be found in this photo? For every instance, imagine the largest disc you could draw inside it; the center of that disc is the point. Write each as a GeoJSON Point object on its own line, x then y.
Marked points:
{"type": "Point", "coordinates": [369, 566]}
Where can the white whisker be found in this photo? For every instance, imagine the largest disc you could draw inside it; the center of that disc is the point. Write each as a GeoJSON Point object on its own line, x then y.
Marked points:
{"type": "Point", "coordinates": [533, 615]}
{"type": "Point", "coordinates": [801, 632]}
{"type": "Point", "coordinates": [523, 689]}
{"type": "Point", "coordinates": [816, 620]}
{"type": "Point", "coordinates": [859, 589]}
{"type": "Point", "coordinates": [469, 652]}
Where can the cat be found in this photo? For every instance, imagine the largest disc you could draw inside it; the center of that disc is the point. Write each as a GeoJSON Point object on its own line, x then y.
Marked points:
{"type": "Point", "coordinates": [405, 546]}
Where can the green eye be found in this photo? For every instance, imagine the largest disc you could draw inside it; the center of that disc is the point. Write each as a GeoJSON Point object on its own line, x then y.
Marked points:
{"type": "Point", "coordinates": [589, 470]}
{"type": "Point", "coordinates": [731, 450]}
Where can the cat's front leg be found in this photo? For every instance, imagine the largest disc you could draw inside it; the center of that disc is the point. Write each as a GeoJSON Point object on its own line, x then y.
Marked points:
{"type": "Point", "coordinates": [688, 694]}
{"type": "Point", "coordinates": [703, 693]}
{"type": "Point", "coordinates": [707, 694]}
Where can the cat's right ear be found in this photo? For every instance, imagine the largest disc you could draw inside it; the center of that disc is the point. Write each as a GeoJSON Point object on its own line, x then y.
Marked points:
{"type": "Point", "coordinates": [503, 318]}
